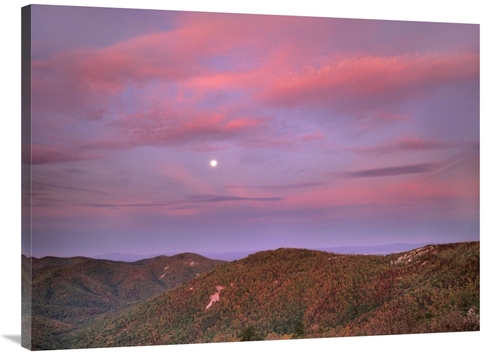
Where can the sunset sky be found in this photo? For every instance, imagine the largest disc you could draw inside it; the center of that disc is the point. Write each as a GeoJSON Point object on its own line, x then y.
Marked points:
{"type": "Point", "coordinates": [327, 132]}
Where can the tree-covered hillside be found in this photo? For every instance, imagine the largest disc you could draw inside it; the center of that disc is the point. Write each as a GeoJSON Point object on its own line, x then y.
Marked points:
{"type": "Point", "coordinates": [68, 293]}
{"type": "Point", "coordinates": [293, 293]}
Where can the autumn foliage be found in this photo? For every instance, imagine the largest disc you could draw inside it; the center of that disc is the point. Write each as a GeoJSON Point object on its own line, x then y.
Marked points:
{"type": "Point", "coordinates": [298, 293]}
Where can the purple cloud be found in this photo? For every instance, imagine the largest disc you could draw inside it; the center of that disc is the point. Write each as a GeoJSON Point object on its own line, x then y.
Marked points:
{"type": "Point", "coordinates": [389, 171]}
{"type": "Point", "coordinates": [69, 188]}
{"type": "Point", "coordinates": [221, 198]}
{"type": "Point", "coordinates": [280, 187]}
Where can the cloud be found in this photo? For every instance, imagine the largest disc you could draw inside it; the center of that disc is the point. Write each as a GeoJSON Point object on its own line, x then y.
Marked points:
{"type": "Point", "coordinates": [164, 126]}
{"type": "Point", "coordinates": [414, 145]}
{"type": "Point", "coordinates": [224, 198]}
{"type": "Point", "coordinates": [70, 188]}
{"type": "Point", "coordinates": [107, 205]}
{"type": "Point", "coordinates": [281, 187]}
{"type": "Point", "coordinates": [409, 145]}
{"type": "Point", "coordinates": [363, 82]}
{"type": "Point", "coordinates": [271, 57]}
{"type": "Point", "coordinates": [201, 130]}
{"type": "Point", "coordinates": [82, 81]}
{"type": "Point", "coordinates": [389, 171]}
{"type": "Point", "coordinates": [462, 159]}
{"type": "Point", "coordinates": [215, 79]}
{"type": "Point", "coordinates": [189, 203]}
{"type": "Point", "coordinates": [46, 154]}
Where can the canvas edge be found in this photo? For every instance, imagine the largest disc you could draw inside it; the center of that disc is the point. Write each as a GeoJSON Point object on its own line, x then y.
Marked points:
{"type": "Point", "coordinates": [26, 269]}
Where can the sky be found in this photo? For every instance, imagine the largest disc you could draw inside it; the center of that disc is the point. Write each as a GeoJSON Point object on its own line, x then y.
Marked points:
{"type": "Point", "coordinates": [327, 132]}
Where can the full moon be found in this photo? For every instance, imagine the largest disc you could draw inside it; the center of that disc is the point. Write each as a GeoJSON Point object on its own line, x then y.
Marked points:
{"type": "Point", "coordinates": [213, 163]}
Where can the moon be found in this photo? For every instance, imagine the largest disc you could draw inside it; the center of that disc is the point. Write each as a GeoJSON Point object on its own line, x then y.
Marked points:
{"type": "Point", "coordinates": [213, 163]}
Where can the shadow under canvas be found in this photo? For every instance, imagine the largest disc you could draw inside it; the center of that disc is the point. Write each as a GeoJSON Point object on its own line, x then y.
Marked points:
{"type": "Point", "coordinates": [15, 338]}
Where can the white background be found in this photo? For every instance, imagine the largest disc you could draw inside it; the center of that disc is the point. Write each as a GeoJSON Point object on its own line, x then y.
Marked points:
{"type": "Point", "coordinates": [480, 12]}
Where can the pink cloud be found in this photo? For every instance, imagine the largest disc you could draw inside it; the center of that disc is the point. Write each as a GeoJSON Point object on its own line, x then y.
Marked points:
{"type": "Point", "coordinates": [341, 199]}
{"type": "Point", "coordinates": [272, 55]}
{"type": "Point", "coordinates": [371, 81]}
{"type": "Point", "coordinates": [171, 123]}
{"type": "Point", "coordinates": [313, 137]}
{"type": "Point", "coordinates": [173, 55]}
{"type": "Point", "coordinates": [265, 59]}
{"type": "Point", "coordinates": [84, 79]}
{"type": "Point", "coordinates": [162, 126]}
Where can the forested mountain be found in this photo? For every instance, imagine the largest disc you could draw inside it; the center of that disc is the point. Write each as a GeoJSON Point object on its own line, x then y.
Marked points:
{"type": "Point", "coordinates": [69, 292]}
{"type": "Point", "coordinates": [294, 293]}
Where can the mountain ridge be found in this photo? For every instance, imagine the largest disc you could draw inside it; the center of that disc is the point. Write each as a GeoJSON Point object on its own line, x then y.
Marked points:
{"type": "Point", "coordinates": [291, 293]}
{"type": "Point", "coordinates": [239, 254]}
{"type": "Point", "coordinates": [68, 292]}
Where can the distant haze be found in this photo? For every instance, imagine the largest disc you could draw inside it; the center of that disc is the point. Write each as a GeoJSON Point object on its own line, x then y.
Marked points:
{"type": "Point", "coordinates": [326, 132]}
{"type": "Point", "coordinates": [235, 255]}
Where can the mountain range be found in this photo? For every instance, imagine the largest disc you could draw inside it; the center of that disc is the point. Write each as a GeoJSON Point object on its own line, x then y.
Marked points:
{"type": "Point", "coordinates": [67, 293]}
{"type": "Point", "coordinates": [277, 294]}
{"type": "Point", "coordinates": [239, 254]}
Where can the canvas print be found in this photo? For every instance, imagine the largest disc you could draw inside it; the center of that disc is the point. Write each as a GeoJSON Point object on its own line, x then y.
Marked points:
{"type": "Point", "coordinates": [194, 177]}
